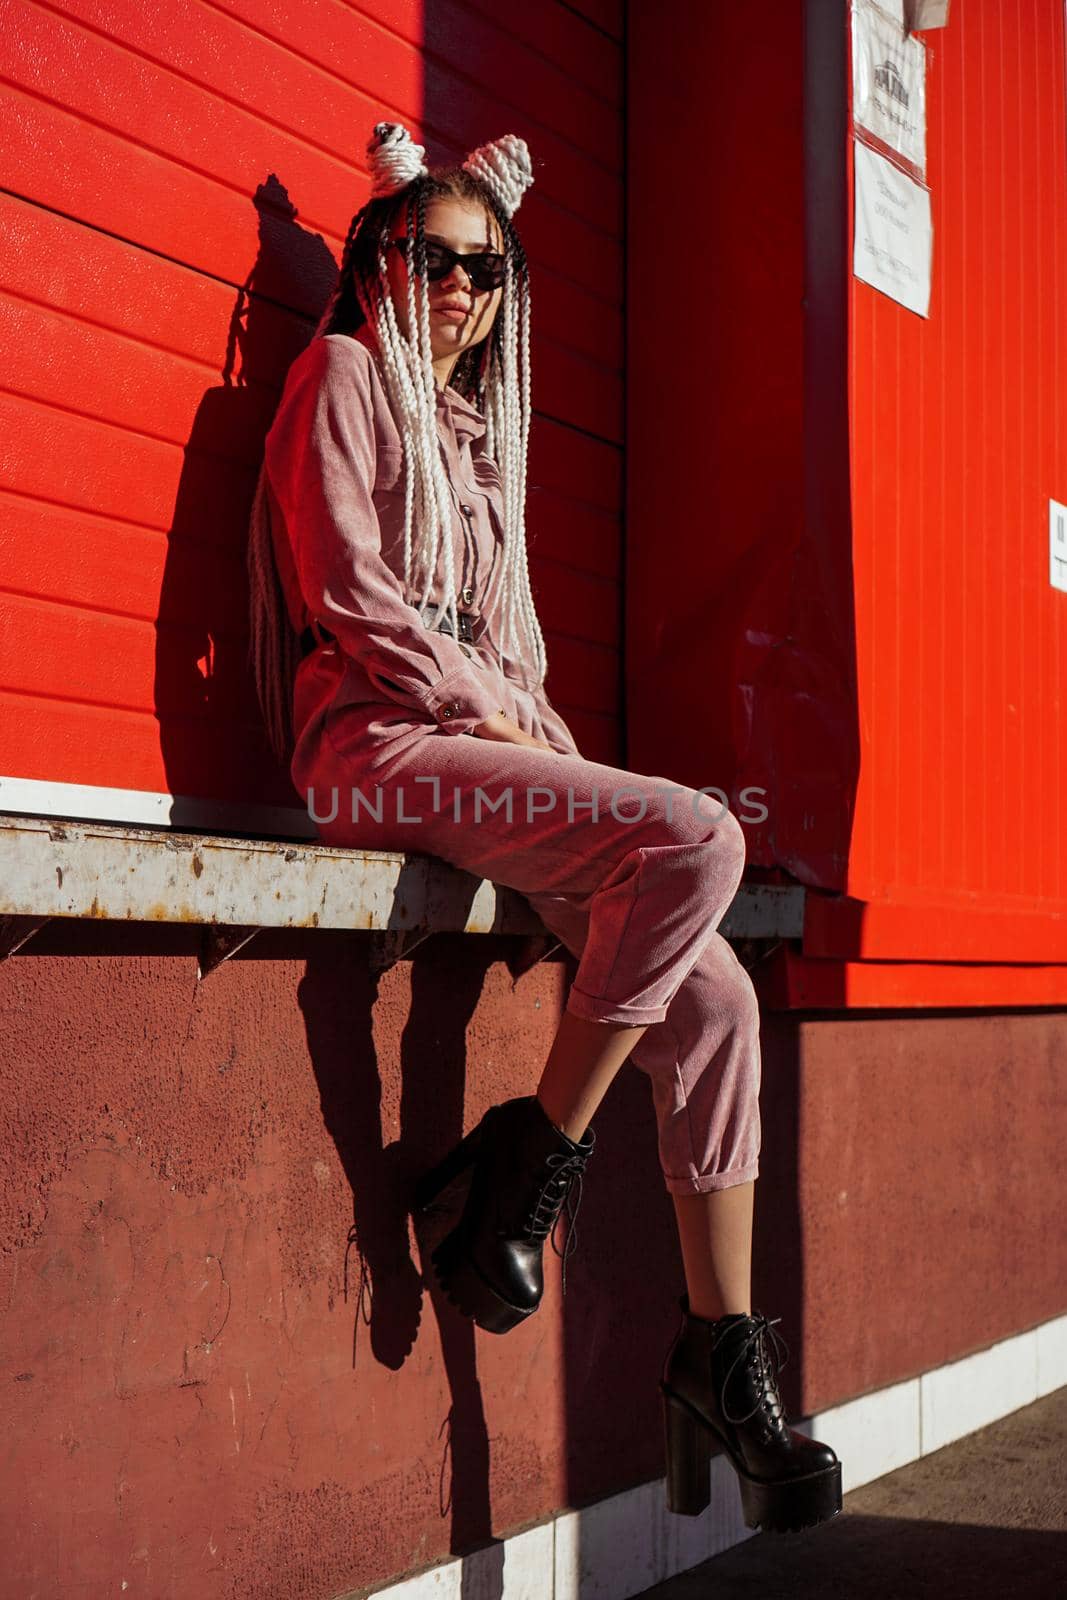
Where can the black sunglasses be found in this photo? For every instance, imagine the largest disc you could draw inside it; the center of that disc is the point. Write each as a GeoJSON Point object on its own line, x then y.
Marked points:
{"type": "Point", "coordinates": [485, 269]}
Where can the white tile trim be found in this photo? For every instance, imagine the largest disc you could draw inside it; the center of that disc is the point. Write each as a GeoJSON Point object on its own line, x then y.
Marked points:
{"type": "Point", "coordinates": [621, 1546]}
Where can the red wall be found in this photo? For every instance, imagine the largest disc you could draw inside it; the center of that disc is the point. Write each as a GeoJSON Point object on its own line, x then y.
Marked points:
{"type": "Point", "coordinates": [178, 181]}
{"type": "Point", "coordinates": [907, 1211]}
{"type": "Point", "coordinates": [201, 1402]}
{"type": "Point", "coordinates": [715, 458]}
{"type": "Point", "coordinates": [196, 1407]}
{"type": "Point", "coordinates": [855, 620]}
{"type": "Point", "coordinates": [230, 1370]}
{"type": "Point", "coordinates": [958, 443]}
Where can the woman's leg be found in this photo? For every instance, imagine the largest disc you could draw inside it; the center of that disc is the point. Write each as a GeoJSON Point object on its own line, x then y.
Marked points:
{"type": "Point", "coordinates": [705, 1064]}
{"type": "Point", "coordinates": [636, 892]}
{"type": "Point", "coordinates": [584, 1058]}
{"type": "Point", "coordinates": [705, 1068]}
{"type": "Point", "coordinates": [640, 937]}
{"type": "Point", "coordinates": [715, 1233]}
{"type": "Point", "coordinates": [715, 1226]}
{"type": "Point", "coordinates": [652, 865]}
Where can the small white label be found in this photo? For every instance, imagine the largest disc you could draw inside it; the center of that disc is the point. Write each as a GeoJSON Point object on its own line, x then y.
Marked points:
{"type": "Point", "coordinates": [893, 242]}
{"type": "Point", "coordinates": [1057, 545]}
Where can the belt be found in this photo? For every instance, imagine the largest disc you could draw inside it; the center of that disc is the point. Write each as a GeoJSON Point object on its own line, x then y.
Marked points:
{"type": "Point", "coordinates": [466, 631]}
{"type": "Point", "coordinates": [467, 627]}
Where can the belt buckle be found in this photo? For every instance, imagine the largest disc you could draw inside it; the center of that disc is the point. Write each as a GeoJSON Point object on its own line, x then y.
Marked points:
{"type": "Point", "coordinates": [443, 625]}
{"type": "Point", "coordinates": [464, 618]}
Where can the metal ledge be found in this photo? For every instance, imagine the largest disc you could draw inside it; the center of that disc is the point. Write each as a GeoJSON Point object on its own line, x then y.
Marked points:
{"type": "Point", "coordinates": [232, 887]}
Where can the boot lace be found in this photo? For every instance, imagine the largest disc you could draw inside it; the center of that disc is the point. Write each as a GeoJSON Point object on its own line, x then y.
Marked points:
{"type": "Point", "coordinates": [565, 1171]}
{"type": "Point", "coordinates": [755, 1352]}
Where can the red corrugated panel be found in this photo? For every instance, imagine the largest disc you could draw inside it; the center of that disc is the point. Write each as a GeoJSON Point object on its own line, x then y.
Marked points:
{"type": "Point", "coordinates": [860, 506]}
{"type": "Point", "coordinates": [156, 164]}
{"type": "Point", "coordinates": [958, 443]}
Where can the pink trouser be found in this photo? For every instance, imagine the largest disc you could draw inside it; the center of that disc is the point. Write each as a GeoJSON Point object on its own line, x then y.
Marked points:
{"type": "Point", "coordinates": [633, 874]}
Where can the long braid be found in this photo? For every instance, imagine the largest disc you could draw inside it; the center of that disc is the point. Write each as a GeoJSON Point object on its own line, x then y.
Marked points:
{"type": "Point", "coordinates": [495, 376]}
{"type": "Point", "coordinates": [409, 381]}
{"type": "Point", "coordinates": [507, 412]}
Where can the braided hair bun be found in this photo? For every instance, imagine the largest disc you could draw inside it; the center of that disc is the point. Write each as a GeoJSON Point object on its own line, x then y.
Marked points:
{"type": "Point", "coordinates": [504, 166]}
{"type": "Point", "coordinates": [394, 159]}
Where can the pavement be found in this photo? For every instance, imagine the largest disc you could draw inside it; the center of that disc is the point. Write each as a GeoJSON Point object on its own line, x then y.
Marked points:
{"type": "Point", "coordinates": [986, 1516]}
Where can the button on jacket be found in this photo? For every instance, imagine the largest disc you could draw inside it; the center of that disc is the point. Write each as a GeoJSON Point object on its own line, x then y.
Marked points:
{"type": "Point", "coordinates": [335, 488]}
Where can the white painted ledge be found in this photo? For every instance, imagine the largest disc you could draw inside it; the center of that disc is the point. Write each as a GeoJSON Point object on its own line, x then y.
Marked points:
{"type": "Point", "coordinates": [60, 867]}
{"type": "Point", "coordinates": [55, 868]}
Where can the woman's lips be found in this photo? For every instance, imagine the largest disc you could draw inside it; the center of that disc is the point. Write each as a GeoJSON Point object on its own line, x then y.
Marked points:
{"type": "Point", "coordinates": [450, 311]}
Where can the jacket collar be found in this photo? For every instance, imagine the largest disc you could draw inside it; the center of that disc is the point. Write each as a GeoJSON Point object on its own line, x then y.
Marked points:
{"type": "Point", "coordinates": [466, 418]}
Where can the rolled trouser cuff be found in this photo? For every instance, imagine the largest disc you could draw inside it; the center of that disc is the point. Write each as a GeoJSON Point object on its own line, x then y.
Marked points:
{"type": "Point", "coordinates": [705, 1182]}
{"type": "Point", "coordinates": [596, 1010]}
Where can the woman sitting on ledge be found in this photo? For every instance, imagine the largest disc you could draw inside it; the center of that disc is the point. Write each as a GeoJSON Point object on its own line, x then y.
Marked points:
{"type": "Point", "coordinates": [400, 665]}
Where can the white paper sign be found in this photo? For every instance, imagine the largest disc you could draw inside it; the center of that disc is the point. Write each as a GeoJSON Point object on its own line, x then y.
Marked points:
{"type": "Point", "coordinates": [889, 82]}
{"type": "Point", "coordinates": [893, 243]}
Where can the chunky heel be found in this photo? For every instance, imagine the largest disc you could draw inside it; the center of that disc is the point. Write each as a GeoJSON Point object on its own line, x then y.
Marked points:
{"type": "Point", "coordinates": [522, 1170]}
{"type": "Point", "coordinates": [720, 1386]}
{"type": "Point", "coordinates": [440, 1183]}
{"type": "Point", "coordinates": [792, 1503]}
{"type": "Point", "coordinates": [688, 1452]}
{"type": "Point", "coordinates": [469, 1292]}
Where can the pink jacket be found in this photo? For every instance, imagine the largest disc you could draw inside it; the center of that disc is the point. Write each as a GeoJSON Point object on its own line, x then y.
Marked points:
{"type": "Point", "coordinates": [335, 488]}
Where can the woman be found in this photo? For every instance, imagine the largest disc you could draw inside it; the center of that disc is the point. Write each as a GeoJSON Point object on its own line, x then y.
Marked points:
{"type": "Point", "coordinates": [388, 537]}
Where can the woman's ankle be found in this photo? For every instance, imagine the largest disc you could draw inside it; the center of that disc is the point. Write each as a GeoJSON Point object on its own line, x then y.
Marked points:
{"type": "Point", "coordinates": [709, 1309]}
{"type": "Point", "coordinates": [571, 1126]}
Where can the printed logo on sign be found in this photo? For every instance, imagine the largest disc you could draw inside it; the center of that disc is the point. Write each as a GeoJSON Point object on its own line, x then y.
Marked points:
{"type": "Point", "coordinates": [887, 77]}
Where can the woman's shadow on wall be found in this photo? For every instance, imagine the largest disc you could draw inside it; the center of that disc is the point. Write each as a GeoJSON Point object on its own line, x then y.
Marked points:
{"type": "Point", "coordinates": [218, 764]}
{"type": "Point", "coordinates": [389, 1126]}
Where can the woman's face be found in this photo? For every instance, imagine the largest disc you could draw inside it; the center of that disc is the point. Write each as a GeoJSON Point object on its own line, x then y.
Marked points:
{"type": "Point", "coordinates": [466, 228]}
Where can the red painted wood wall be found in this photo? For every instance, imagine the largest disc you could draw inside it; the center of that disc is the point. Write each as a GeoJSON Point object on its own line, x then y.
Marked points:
{"type": "Point", "coordinates": [175, 185]}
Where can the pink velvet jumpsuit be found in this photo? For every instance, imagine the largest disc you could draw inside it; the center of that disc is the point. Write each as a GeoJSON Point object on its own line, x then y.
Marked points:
{"type": "Point", "coordinates": [632, 873]}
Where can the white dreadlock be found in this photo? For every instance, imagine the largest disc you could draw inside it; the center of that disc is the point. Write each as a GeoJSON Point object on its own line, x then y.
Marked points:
{"type": "Point", "coordinates": [502, 168]}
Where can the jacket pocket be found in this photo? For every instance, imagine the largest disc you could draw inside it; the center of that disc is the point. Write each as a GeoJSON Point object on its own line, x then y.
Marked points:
{"type": "Point", "coordinates": [389, 468]}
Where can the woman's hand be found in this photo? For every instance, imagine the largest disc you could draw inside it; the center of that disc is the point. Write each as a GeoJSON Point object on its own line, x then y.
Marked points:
{"type": "Point", "coordinates": [501, 729]}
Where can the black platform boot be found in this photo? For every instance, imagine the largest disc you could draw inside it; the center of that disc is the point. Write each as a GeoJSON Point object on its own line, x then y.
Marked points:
{"type": "Point", "coordinates": [490, 1265]}
{"type": "Point", "coordinates": [718, 1381]}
